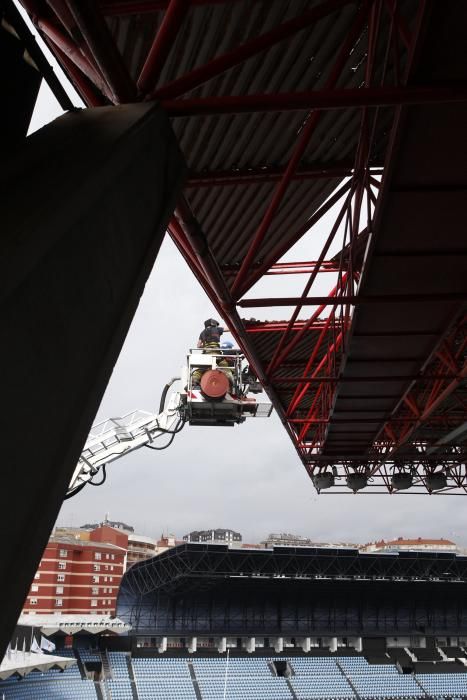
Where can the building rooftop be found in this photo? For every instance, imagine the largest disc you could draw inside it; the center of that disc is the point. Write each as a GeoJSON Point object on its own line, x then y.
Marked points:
{"type": "Point", "coordinates": [72, 541]}
{"type": "Point", "coordinates": [116, 524]}
{"type": "Point", "coordinates": [133, 537]}
{"type": "Point", "coordinates": [413, 542]}
{"type": "Point", "coordinates": [71, 624]}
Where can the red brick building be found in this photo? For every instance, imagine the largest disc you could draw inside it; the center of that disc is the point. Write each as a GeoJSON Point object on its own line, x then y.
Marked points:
{"type": "Point", "coordinates": [76, 576]}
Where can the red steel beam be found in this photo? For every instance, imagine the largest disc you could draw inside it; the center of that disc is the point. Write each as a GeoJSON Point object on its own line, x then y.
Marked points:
{"type": "Point", "coordinates": [257, 175]}
{"type": "Point", "coordinates": [432, 407]}
{"type": "Point", "coordinates": [328, 99]}
{"type": "Point", "coordinates": [279, 326]}
{"type": "Point", "coordinates": [402, 28]}
{"type": "Point", "coordinates": [298, 153]}
{"type": "Point", "coordinates": [301, 394]}
{"type": "Point", "coordinates": [300, 391]}
{"type": "Point", "coordinates": [220, 296]}
{"type": "Point", "coordinates": [307, 325]}
{"type": "Point", "coordinates": [181, 242]}
{"type": "Point", "coordinates": [398, 112]}
{"type": "Point", "coordinates": [258, 270]}
{"type": "Point", "coordinates": [305, 270]}
{"type": "Point", "coordinates": [141, 7]}
{"type": "Point", "coordinates": [363, 379]}
{"type": "Point", "coordinates": [354, 300]}
{"type": "Point", "coordinates": [311, 279]}
{"type": "Point", "coordinates": [163, 43]}
{"type": "Point", "coordinates": [326, 421]}
{"type": "Point", "coordinates": [101, 44]}
{"type": "Point", "coordinates": [68, 48]}
{"type": "Point", "coordinates": [66, 19]}
{"type": "Point", "coordinates": [222, 63]}
{"type": "Point", "coordinates": [289, 268]}
{"type": "Point", "coordinates": [84, 87]}
{"type": "Point", "coordinates": [316, 400]}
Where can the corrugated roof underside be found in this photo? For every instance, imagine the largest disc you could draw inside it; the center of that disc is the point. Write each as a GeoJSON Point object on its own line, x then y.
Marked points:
{"type": "Point", "coordinates": [265, 343]}
{"type": "Point", "coordinates": [229, 216]}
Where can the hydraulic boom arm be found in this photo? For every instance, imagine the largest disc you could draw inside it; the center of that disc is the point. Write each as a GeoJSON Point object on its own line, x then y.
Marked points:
{"type": "Point", "coordinates": [215, 389]}
{"type": "Point", "coordinates": [116, 437]}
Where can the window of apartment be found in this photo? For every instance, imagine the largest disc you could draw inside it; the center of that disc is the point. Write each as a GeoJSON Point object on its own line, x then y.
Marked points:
{"type": "Point", "coordinates": [111, 568]}
{"type": "Point", "coordinates": [106, 567]}
{"type": "Point", "coordinates": [37, 575]}
{"type": "Point", "coordinates": [105, 578]}
{"type": "Point", "coordinates": [95, 590]}
{"type": "Point", "coordinates": [112, 556]}
{"type": "Point", "coordinates": [97, 567]}
{"type": "Point", "coordinates": [107, 556]}
{"type": "Point", "coordinates": [93, 603]}
{"type": "Point", "coordinates": [60, 577]}
{"type": "Point", "coordinates": [97, 555]}
{"type": "Point", "coordinates": [34, 588]}
{"type": "Point", "coordinates": [111, 578]}
{"type": "Point", "coordinates": [95, 579]}
{"type": "Point", "coordinates": [62, 564]}
{"type": "Point", "coordinates": [63, 553]}
{"type": "Point", "coordinates": [33, 601]}
{"type": "Point", "coordinates": [58, 602]}
{"type": "Point", "coordinates": [109, 602]}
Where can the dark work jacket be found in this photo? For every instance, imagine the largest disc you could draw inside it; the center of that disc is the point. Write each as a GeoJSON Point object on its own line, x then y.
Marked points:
{"type": "Point", "coordinates": [211, 336]}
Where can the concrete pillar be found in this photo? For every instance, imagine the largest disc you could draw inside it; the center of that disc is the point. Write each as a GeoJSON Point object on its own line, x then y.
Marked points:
{"type": "Point", "coordinates": [192, 645]}
{"type": "Point", "coordinates": [78, 245]}
{"type": "Point", "coordinates": [358, 644]}
{"type": "Point", "coordinates": [250, 645]}
{"type": "Point", "coordinates": [163, 645]}
{"type": "Point", "coordinates": [222, 645]}
{"type": "Point", "coordinates": [333, 644]}
{"type": "Point", "coordinates": [305, 644]}
{"type": "Point", "coordinates": [279, 645]}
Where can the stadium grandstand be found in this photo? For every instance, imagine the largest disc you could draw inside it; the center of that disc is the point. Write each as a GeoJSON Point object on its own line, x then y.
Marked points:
{"type": "Point", "coordinates": [208, 622]}
{"type": "Point", "coordinates": [240, 126]}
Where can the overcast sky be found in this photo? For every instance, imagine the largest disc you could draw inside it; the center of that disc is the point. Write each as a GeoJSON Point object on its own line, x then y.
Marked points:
{"type": "Point", "coordinates": [249, 477]}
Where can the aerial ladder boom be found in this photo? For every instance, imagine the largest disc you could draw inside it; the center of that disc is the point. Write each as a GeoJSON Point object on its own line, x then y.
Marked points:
{"type": "Point", "coordinates": [221, 397]}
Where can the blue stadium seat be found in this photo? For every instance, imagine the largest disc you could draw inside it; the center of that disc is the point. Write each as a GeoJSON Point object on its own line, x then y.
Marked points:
{"type": "Point", "coordinates": [248, 678]}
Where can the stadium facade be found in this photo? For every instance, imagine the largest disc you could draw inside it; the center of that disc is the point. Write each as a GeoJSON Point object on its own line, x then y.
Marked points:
{"type": "Point", "coordinates": [217, 597]}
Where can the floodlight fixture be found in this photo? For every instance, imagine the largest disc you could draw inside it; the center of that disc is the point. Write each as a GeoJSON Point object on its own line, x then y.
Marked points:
{"type": "Point", "coordinates": [357, 481]}
{"type": "Point", "coordinates": [401, 480]}
{"type": "Point", "coordinates": [436, 481]}
{"type": "Point", "coordinates": [323, 480]}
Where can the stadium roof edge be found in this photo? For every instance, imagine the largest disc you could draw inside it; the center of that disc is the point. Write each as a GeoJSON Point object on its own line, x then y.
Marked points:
{"type": "Point", "coordinates": [169, 570]}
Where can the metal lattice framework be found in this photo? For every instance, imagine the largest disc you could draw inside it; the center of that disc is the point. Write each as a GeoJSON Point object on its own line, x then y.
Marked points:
{"type": "Point", "coordinates": [214, 589]}
{"type": "Point", "coordinates": [294, 115]}
{"type": "Point", "coordinates": [174, 567]}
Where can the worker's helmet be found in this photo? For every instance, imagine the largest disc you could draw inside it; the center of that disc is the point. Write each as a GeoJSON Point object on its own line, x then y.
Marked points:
{"type": "Point", "coordinates": [211, 322]}
{"type": "Point", "coordinates": [227, 345]}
